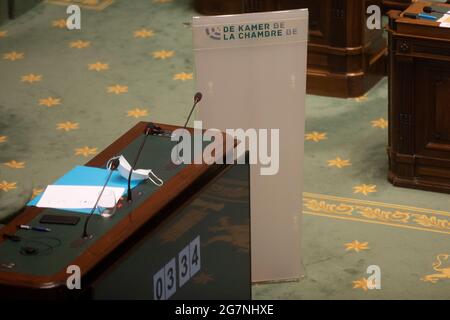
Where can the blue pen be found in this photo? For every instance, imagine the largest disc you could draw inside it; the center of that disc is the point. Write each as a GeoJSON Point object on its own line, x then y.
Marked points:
{"type": "Point", "coordinates": [41, 229]}
{"type": "Point", "coordinates": [427, 16]}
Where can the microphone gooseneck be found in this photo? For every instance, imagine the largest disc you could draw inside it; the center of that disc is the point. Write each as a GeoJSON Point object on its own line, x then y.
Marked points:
{"type": "Point", "coordinates": [114, 164]}
{"type": "Point", "coordinates": [197, 98]}
{"type": "Point", "coordinates": [150, 127]}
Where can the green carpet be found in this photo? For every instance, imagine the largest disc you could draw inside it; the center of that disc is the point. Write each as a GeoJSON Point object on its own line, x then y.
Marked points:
{"type": "Point", "coordinates": [108, 37]}
{"type": "Point", "coordinates": [65, 95]}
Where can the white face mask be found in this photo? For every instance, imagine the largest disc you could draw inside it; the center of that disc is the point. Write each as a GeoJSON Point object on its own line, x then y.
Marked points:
{"type": "Point", "coordinates": [138, 174]}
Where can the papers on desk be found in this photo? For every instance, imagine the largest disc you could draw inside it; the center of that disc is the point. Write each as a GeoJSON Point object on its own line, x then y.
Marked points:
{"type": "Point", "coordinates": [445, 21]}
{"type": "Point", "coordinates": [89, 176]}
{"type": "Point", "coordinates": [79, 197]}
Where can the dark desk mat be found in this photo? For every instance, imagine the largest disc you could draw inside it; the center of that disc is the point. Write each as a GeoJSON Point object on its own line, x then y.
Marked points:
{"type": "Point", "coordinates": [155, 156]}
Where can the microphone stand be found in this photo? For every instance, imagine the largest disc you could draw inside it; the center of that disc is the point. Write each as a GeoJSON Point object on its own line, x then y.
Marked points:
{"type": "Point", "coordinates": [113, 166]}
{"type": "Point", "coordinates": [197, 98]}
{"type": "Point", "coordinates": [148, 130]}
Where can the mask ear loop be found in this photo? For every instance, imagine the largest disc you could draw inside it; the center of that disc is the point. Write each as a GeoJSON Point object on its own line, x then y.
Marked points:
{"type": "Point", "coordinates": [108, 164]}
{"type": "Point", "coordinates": [158, 182]}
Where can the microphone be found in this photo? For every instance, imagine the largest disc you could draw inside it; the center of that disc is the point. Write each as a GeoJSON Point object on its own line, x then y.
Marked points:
{"type": "Point", "coordinates": [431, 9]}
{"type": "Point", "coordinates": [197, 98]}
{"type": "Point", "coordinates": [114, 164]}
{"type": "Point", "coordinates": [151, 127]}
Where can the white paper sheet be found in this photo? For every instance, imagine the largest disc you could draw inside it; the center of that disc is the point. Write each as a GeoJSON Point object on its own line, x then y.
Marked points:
{"type": "Point", "coordinates": [78, 197]}
{"type": "Point", "coordinates": [445, 21]}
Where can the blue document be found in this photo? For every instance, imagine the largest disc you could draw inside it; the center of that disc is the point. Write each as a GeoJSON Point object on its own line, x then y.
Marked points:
{"type": "Point", "coordinates": [89, 176]}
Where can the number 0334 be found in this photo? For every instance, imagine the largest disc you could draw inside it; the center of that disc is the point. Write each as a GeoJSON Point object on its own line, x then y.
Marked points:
{"type": "Point", "coordinates": [177, 272]}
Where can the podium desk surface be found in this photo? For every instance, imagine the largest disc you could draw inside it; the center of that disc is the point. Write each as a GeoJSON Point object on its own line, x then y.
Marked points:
{"type": "Point", "coordinates": [48, 270]}
{"type": "Point", "coordinates": [421, 28]}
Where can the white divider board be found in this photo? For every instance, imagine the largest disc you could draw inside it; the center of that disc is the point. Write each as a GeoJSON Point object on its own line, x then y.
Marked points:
{"type": "Point", "coordinates": [258, 80]}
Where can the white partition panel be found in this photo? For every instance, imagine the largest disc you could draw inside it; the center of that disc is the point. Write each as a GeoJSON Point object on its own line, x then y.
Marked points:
{"type": "Point", "coordinates": [251, 69]}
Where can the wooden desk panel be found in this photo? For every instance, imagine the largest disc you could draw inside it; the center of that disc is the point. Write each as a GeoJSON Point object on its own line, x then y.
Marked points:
{"type": "Point", "coordinates": [419, 102]}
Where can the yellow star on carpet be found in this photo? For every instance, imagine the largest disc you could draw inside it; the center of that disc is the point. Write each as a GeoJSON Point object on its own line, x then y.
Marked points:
{"type": "Point", "coordinates": [117, 89]}
{"type": "Point", "coordinates": [85, 151]}
{"type": "Point", "coordinates": [49, 102]}
{"type": "Point", "coordinates": [98, 66]}
{"type": "Point", "coordinates": [13, 56]}
{"type": "Point", "coordinates": [163, 54]}
{"type": "Point", "coordinates": [3, 139]}
{"type": "Point", "coordinates": [67, 126]}
{"type": "Point", "coordinates": [79, 44]}
{"type": "Point", "coordinates": [339, 163]}
{"type": "Point", "coordinates": [137, 113]}
{"type": "Point", "coordinates": [6, 186]}
{"type": "Point", "coordinates": [143, 33]}
{"type": "Point", "coordinates": [61, 23]}
{"type": "Point", "coordinates": [316, 136]}
{"type": "Point", "coordinates": [365, 189]}
{"type": "Point", "coordinates": [360, 284]}
{"type": "Point", "coordinates": [13, 164]}
{"type": "Point", "coordinates": [357, 246]}
{"type": "Point", "coordinates": [30, 78]}
{"type": "Point", "coordinates": [380, 123]}
{"type": "Point", "coordinates": [37, 191]}
{"type": "Point", "coordinates": [3, 34]}
{"type": "Point", "coordinates": [203, 278]}
{"type": "Point", "coordinates": [183, 76]}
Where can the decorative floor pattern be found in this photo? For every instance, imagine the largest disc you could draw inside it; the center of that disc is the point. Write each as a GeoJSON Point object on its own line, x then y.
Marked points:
{"type": "Point", "coordinates": [85, 4]}
{"type": "Point", "coordinates": [376, 212]}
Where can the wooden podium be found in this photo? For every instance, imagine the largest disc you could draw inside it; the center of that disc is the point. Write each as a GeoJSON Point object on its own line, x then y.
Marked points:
{"type": "Point", "coordinates": [419, 102]}
{"type": "Point", "coordinates": [345, 58]}
{"type": "Point", "coordinates": [173, 242]}
{"type": "Point", "coordinates": [396, 4]}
